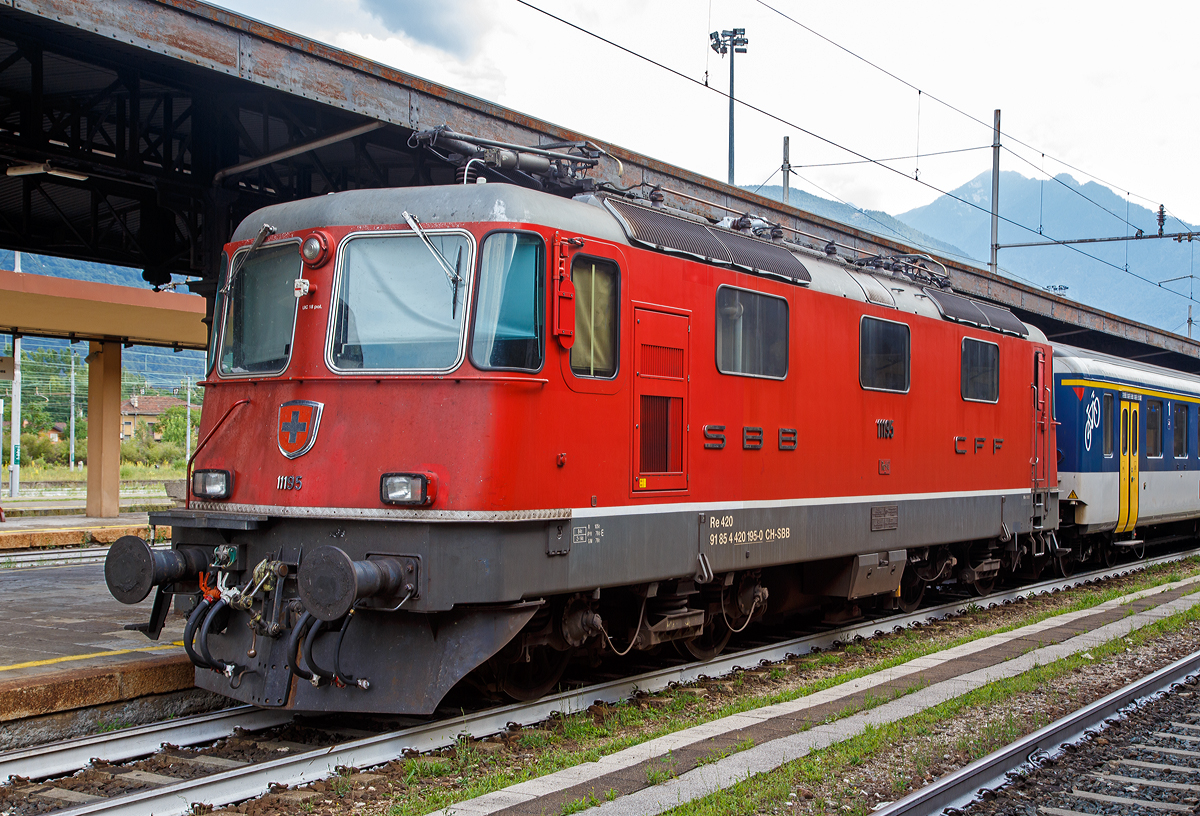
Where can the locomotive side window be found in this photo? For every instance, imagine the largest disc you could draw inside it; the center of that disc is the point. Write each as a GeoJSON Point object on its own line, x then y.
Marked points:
{"type": "Point", "coordinates": [752, 334]}
{"type": "Point", "coordinates": [1180, 431]}
{"type": "Point", "coordinates": [396, 307]}
{"type": "Point", "coordinates": [1154, 422]}
{"type": "Point", "coordinates": [883, 355]}
{"type": "Point", "coordinates": [1106, 422]}
{"type": "Point", "coordinates": [980, 371]}
{"type": "Point", "coordinates": [260, 312]}
{"type": "Point", "coordinates": [594, 353]}
{"type": "Point", "coordinates": [510, 320]}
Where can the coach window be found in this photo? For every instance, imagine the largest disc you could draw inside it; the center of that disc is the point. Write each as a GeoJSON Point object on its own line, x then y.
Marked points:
{"type": "Point", "coordinates": [752, 334]}
{"type": "Point", "coordinates": [509, 314]}
{"type": "Point", "coordinates": [594, 353]}
{"type": "Point", "coordinates": [1154, 424]}
{"type": "Point", "coordinates": [883, 355]}
{"type": "Point", "coordinates": [1106, 422]}
{"type": "Point", "coordinates": [980, 371]}
{"type": "Point", "coordinates": [1179, 431]}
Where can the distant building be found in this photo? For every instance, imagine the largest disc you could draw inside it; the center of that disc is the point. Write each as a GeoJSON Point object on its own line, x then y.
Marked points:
{"type": "Point", "coordinates": [141, 409]}
{"type": "Point", "coordinates": [58, 431]}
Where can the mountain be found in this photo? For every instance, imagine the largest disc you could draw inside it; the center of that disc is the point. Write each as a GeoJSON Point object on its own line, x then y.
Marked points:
{"type": "Point", "coordinates": [161, 367]}
{"type": "Point", "coordinates": [872, 221]}
{"type": "Point", "coordinates": [1065, 209]}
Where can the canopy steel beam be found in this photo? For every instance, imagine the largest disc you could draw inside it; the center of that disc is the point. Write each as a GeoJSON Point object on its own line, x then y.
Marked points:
{"type": "Point", "coordinates": [150, 99]}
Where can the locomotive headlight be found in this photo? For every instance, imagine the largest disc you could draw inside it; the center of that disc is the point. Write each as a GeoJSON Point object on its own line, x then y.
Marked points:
{"type": "Point", "coordinates": [408, 488]}
{"type": "Point", "coordinates": [212, 484]}
{"type": "Point", "coordinates": [315, 249]}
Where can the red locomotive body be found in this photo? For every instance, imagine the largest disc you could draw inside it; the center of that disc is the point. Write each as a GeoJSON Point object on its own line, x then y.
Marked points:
{"type": "Point", "coordinates": [524, 427]}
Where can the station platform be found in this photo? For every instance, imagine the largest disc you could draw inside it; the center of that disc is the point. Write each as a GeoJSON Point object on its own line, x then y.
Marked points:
{"type": "Point", "coordinates": [26, 508]}
{"type": "Point", "coordinates": [65, 647]}
{"type": "Point", "coordinates": [38, 532]}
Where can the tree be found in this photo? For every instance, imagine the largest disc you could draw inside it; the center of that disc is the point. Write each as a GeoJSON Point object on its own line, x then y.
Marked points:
{"type": "Point", "coordinates": [172, 422]}
{"type": "Point", "coordinates": [35, 418]}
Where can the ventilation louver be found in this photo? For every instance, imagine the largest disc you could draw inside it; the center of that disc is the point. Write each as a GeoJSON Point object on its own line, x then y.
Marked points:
{"type": "Point", "coordinates": [673, 234]}
{"type": "Point", "coordinates": [973, 312]}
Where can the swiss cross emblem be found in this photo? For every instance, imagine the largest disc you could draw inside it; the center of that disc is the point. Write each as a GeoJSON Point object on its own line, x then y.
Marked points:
{"type": "Point", "coordinates": [298, 423]}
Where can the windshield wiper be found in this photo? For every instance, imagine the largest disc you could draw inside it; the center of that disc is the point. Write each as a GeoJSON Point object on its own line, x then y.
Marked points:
{"type": "Point", "coordinates": [264, 231]}
{"type": "Point", "coordinates": [452, 273]}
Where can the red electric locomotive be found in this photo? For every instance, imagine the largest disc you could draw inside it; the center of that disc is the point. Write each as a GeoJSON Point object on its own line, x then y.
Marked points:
{"type": "Point", "coordinates": [479, 429]}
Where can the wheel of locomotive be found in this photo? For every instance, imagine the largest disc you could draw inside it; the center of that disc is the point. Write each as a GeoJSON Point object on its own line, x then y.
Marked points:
{"type": "Point", "coordinates": [529, 680]}
{"type": "Point", "coordinates": [980, 586]}
{"type": "Point", "coordinates": [912, 591]}
{"type": "Point", "coordinates": [711, 642]}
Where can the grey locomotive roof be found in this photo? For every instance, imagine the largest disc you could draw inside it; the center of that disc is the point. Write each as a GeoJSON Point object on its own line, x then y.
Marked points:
{"type": "Point", "coordinates": [1095, 365]}
{"type": "Point", "coordinates": [587, 215]}
{"type": "Point", "coordinates": [435, 205]}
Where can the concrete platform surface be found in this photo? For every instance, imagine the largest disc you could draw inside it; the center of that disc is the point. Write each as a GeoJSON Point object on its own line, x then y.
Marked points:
{"type": "Point", "coordinates": [65, 646]}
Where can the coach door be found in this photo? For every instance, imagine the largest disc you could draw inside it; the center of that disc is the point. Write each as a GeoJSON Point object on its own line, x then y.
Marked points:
{"type": "Point", "coordinates": [659, 394]}
{"type": "Point", "coordinates": [1130, 478]}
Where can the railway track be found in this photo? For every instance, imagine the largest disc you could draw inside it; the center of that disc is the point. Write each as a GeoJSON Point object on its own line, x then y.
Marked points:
{"type": "Point", "coordinates": [65, 557]}
{"type": "Point", "coordinates": [1064, 769]}
{"type": "Point", "coordinates": [269, 760]}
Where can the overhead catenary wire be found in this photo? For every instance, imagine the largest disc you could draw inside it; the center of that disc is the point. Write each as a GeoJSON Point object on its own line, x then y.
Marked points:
{"type": "Point", "coordinates": [826, 140]}
{"type": "Point", "coordinates": [954, 108]}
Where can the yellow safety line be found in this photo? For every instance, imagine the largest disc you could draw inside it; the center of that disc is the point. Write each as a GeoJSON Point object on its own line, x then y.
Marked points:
{"type": "Point", "coordinates": [33, 663]}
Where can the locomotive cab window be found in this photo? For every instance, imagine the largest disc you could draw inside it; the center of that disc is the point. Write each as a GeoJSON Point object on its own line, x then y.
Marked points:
{"type": "Point", "coordinates": [883, 355]}
{"type": "Point", "coordinates": [1154, 429]}
{"type": "Point", "coordinates": [594, 353]}
{"type": "Point", "coordinates": [1180, 430]}
{"type": "Point", "coordinates": [260, 311]}
{"type": "Point", "coordinates": [752, 334]}
{"type": "Point", "coordinates": [396, 307]}
{"type": "Point", "coordinates": [215, 335]}
{"type": "Point", "coordinates": [980, 371]}
{"type": "Point", "coordinates": [510, 309]}
{"type": "Point", "coordinates": [1106, 422]}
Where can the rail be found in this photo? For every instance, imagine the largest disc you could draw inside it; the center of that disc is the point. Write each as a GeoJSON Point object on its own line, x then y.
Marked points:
{"type": "Point", "coordinates": [958, 788]}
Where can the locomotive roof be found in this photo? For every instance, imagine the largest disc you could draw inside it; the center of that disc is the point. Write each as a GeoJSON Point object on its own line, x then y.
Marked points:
{"type": "Point", "coordinates": [1099, 366]}
{"type": "Point", "coordinates": [588, 215]}
{"type": "Point", "coordinates": [435, 205]}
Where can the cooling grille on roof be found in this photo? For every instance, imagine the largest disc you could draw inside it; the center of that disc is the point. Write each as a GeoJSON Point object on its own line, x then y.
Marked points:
{"type": "Point", "coordinates": [668, 232]}
{"type": "Point", "coordinates": [763, 256]}
{"type": "Point", "coordinates": [1002, 319]}
{"type": "Point", "coordinates": [673, 234]}
{"type": "Point", "coordinates": [984, 315]}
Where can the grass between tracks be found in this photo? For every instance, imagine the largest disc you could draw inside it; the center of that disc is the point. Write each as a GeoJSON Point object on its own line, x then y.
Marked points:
{"type": "Point", "coordinates": [771, 791]}
{"type": "Point", "coordinates": [470, 769]}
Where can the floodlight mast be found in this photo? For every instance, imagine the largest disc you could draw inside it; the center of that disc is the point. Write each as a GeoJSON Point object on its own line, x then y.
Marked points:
{"type": "Point", "coordinates": [731, 41]}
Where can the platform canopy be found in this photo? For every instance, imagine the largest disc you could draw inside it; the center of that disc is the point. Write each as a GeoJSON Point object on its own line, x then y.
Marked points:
{"type": "Point", "coordinates": [37, 305]}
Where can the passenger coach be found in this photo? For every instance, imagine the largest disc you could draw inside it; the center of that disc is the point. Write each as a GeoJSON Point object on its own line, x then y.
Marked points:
{"type": "Point", "coordinates": [1129, 450]}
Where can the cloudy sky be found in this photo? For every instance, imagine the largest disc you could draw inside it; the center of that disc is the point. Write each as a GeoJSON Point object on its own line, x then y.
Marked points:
{"type": "Point", "coordinates": [1100, 86]}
